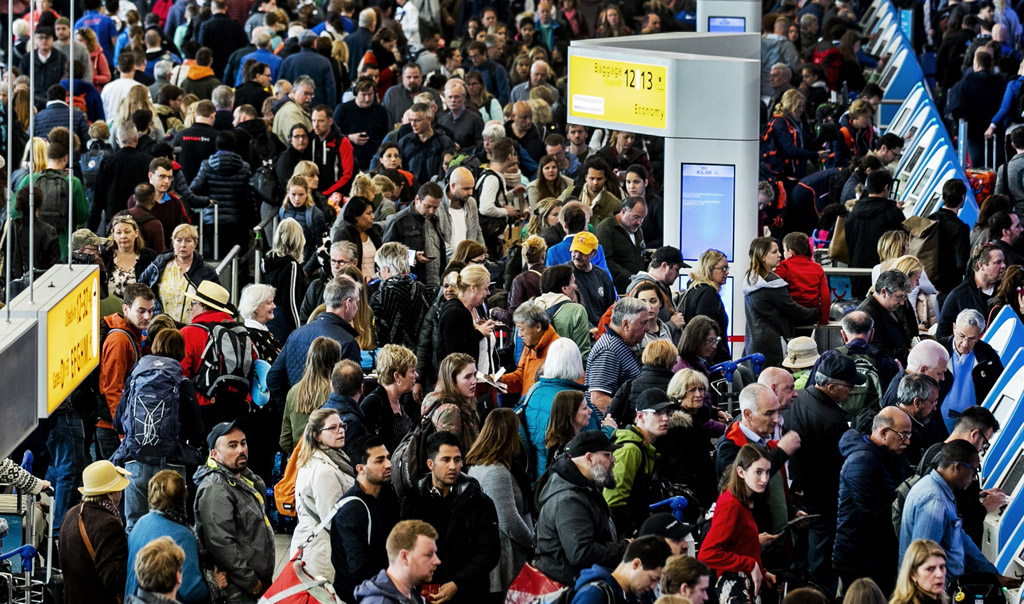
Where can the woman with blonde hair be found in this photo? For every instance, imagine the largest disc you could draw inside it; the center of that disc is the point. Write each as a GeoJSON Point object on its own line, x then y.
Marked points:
{"type": "Point", "coordinates": [452, 405]}
{"type": "Point", "coordinates": [382, 192]}
{"type": "Point", "coordinates": [686, 454]}
{"type": "Point", "coordinates": [23, 109]}
{"type": "Point", "coordinates": [309, 170]}
{"type": "Point", "coordinates": [703, 297]}
{"type": "Point", "coordinates": [137, 99]}
{"type": "Point", "coordinates": [299, 206]}
{"type": "Point", "coordinates": [463, 325]}
{"type": "Point", "coordinates": [310, 393]}
{"type": "Point", "coordinates": [174, 273]}
{"type": "Point", "coordinates": [282, 269]}
{"type": "Point", "coordinates": [126, 256]}
{"type": "Point", "coordinates": [772, 314]}
{"type": "Point", "coordinates": [34, 157]}
{"type": "Point", "coordinates": [390, 410]}
{"type": "Point", "coordinates": [544, 221]}
{"type": "Point", "coordinates": [922, 578]}
{"type": "Point", "coordinates": [655, 372]}
{"type": "Point", "coordinates": [325, 475]}
{"type": "Point", "coordinates": [490, 462]}
{"type": "Point", "coordinates": [864, 591]}
{"type": "Point", "coordinates": [922, 306]}
{"type": "Point", "coordinates": [783, 143]}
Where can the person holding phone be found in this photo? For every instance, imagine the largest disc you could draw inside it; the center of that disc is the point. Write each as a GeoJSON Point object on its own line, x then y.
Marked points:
{"type": "Point", "coordinates": [463, 325]}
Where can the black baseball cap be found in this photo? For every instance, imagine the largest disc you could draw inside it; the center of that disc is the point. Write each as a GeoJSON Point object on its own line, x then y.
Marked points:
{"type": "Point", "coordinates": [653, 399]}
{"type": "Point", "coordinates": [840, 367]}
{"type": "Point", "coordinates": [223, 428]}
{"type": "Point", "coordinates": [590, 441]}
{"type": "Point", "coordinates": [665, 525]}
{"type": "Point", "coordinates": [669, 255]}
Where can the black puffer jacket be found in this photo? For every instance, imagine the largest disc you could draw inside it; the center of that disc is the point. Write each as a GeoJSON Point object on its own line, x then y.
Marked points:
{"type": "Point", "coordinates": [425, 365]}
{"type": "Point", "coordinates": [224, 177]}
{"type": "Point", "coordinates": [399, 305]}
{"type": "Point", "coordinates": [285, 274]}
{"type": "Point", "coordinates": [702, 299]}
{"type": "Point", "coordinates": [625, 399]}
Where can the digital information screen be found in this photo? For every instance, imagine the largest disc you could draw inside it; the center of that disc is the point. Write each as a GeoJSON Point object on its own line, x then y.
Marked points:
{"type": "Point", "coordinates": [616, 91]}
{"type": "Point", "coordinates": [727, 25]}
{"type": "Point", "coordinates": [708, 209]}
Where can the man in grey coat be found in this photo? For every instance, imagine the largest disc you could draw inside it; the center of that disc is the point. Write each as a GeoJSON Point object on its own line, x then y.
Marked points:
{"type": "Point", "coordinates": [575, 529]}
{"type": "Point", "coordinates": [231, 519]}
{"type": "Point", "coordinates": [458, 215]}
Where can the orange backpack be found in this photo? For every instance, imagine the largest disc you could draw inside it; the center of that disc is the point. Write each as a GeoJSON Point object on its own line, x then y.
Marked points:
{"type": "Point", "coordinates": [284, 490]}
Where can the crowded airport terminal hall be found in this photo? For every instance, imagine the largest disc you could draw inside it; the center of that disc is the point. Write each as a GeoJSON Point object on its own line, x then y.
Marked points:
{"type": "Point", "coordinates": [512, 301]}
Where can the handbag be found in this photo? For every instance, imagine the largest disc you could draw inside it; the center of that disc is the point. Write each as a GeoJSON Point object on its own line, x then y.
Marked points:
{"type": "Point", "coordinates": [533, 587]}
{"type": "Point", "coordinates": [295, 585]}
{"type": "Point", "coordinates": [837, 248]}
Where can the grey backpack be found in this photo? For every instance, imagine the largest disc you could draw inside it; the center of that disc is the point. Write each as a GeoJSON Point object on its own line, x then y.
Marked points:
{"type": "Point", "coordinates": [227, 367]}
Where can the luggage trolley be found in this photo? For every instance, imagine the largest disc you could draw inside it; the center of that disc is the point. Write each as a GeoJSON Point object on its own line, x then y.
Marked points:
{"type": "Point", "coordinates": [30, 585]}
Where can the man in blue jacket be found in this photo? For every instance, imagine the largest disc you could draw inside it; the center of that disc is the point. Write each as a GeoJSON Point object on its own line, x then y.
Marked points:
{"type": "Point", "coordinates": [637, 573]}
{"type": "Point", "coordinates": [342, 299]}
{"type": "Point", "coordinates": [309, 62]}
{"type": "Point", "coordinates": [866, 544]}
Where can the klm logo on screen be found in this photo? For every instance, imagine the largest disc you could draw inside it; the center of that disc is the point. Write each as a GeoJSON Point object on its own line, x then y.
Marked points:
{"type": "Point", "coordinates": [706, 171]}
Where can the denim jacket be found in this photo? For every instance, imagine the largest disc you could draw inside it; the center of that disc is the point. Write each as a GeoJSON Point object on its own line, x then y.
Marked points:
{"type": "Point", "coordinates": [930, 513]}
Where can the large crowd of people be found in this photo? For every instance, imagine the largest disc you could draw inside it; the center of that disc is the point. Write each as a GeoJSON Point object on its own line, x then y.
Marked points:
{"type": "Point", "coordinates": [466, 364]}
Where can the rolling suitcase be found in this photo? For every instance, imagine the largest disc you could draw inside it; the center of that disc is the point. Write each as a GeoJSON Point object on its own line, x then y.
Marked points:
{"type": "Point", "coordinates": [983, 179]}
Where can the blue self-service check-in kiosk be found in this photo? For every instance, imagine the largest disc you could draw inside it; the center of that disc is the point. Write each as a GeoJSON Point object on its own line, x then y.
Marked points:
{"type": "Point", "coordinates": [1003, 401]}
{"type": "Point", "coordinates": [887, 27]}
{"type": "Point", "coordinates": [1000, 524]}
{"type": "Point", "coordinates": [912, 114]}
{"type": "Point", "coordinates": [1010, 562]}
{"type": "Point", "coordinates": [1005, 334]}
{"type": "Point", "coordinates": [899, 77]}
{"type": "Point", "coordinates": [925, 197]}
{"type": "Point", "coordinates": [874, 13]}
{"type": "Point", "coordinates": [917, 150]}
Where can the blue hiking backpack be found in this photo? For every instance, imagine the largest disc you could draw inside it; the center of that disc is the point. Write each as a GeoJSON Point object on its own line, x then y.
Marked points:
{"type": "Point", "coordinates": [148, 411]}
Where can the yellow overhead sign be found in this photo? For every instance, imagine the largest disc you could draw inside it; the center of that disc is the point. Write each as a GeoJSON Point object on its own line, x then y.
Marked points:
{"type": "Point", "coordinates": [618, 91]}
{"type": "Point", "coordinates": [72, 340]}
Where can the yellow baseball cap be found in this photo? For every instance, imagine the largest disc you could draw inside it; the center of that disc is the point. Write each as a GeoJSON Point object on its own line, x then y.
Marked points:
{"type": "Point", "coordinates": [584, 242]}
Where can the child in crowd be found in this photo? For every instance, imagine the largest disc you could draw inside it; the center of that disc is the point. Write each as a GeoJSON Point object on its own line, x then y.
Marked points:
{"type": "Point", "coordinates": [806, 278]}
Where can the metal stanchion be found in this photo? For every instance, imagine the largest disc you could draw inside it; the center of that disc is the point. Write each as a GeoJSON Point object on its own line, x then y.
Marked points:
{"type": "Point", "coordinates": [32, 162]}
{"type": "Point", "coordinates": [8, 197]}
{"type": "Point", "coordinates": [71, 128]}
{"type": "Point", "coordinates": [234, 280]}
{"type": "Point", "coordinates": [216, 232]}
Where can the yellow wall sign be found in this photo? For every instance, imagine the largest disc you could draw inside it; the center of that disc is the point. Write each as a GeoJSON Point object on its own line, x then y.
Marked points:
{"type": "Point", "coordinates": [72, 340]}
{"type": "Point", "coordinates": [617, 91]}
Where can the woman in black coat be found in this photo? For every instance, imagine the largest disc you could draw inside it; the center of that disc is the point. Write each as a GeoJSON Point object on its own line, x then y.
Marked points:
{"type": "Point", "coordinates": [686, 453]}
{"type": "Point", "coordinates": [462, 321]}
{"type": "Point", "coordinates": [356, 225]}
{"type": "Point", "coordinates": [390, 410]}
{"type": "Point", "coordinates": [298, 150]}
{"type": "Point", "coordinates": [770, 310]}
{"type": "Point", "coordinates": [425, 363]}
{"type": "Point", "coordinates": [282, 269]}
{"type": "Point", "coordinates": [703, 297]}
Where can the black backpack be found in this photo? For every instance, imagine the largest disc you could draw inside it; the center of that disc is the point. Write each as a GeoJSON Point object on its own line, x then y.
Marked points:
{"type": "Point", "coordinates": [227, 366]}
{"type": "Point", "coordinates": [409, 461]}
{"type": "Point", "coordinates": [491, 226]}
{"type": "Point", "coordinates": [90, 164]}
{"type": "Point", "coordinates": [53, 207]}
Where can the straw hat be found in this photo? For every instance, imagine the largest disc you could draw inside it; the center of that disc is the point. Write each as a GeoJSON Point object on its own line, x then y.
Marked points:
{"type": "Point", "coordinates": [801, 353]}
{"type": "Point", "coordinates": [103, 477]}
{"type": "Point", "coordinates": [213, 295]}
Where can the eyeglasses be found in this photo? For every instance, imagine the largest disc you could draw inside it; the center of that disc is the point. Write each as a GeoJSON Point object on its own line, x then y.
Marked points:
{"type": "Point", "coordinates": [976, 471]}
{"type": "Point", "coordinates": [901, 297]}
{"type": "Point", "coordinates": [724, 269]}
{"type": "Point", "coordinates": [962, 337]}
{"type": "Point", "coordinates": [902, 435]}
{"type": "Point", "coordinates": [712, 341]}
{"type": "Point", "coordinates": [696, 389]}
{"type": "Point", "coordinates": [339, 262]}
{"type": "Point", "coordinates": [300, 136]}
{"type": "Point", "coordinates": [986, 444]}
{"type": "Point", "coordinates": [335, 428]}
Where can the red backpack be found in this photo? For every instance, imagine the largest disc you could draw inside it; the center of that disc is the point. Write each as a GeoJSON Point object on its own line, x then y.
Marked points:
{"type": "Point", "coordinates": [830, 59]}
{"type": "Point", "coordinates": [79, 103]}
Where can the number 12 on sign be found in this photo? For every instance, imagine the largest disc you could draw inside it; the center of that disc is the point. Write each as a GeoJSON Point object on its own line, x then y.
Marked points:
{"type": "Point", "coordinates": [641, 80]}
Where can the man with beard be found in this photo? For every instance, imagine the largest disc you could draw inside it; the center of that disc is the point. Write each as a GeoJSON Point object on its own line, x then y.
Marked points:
{"type": "Point", "coordinates": [370, 508]}
{"type": "Point", "coordinates": [468, 540]}
{"type": "Point", "coordinates": [231, 519]}
{"type": "Point", "coordinates": [399, 99]}
{"type": "Point", "coordinates": [575, 529]}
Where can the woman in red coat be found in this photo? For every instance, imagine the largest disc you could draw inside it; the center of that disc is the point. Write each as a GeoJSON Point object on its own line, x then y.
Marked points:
{"type": "Point", "coordinates": [732, 546]}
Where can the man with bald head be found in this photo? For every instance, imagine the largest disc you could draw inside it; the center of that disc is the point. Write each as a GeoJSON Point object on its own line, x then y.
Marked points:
{"type": "Point", "coordinates": [465, 124]}
{"type": "Point", "coordinates": [866, 543]}
{"type": "Point", "coordinates": [540, 75]}
{"type": "Point", "coordinates": [522, 130]}
{"type": "Point", "coordinates": [458, 213]}
{"type": "Point", "coordinates": [781, 382]}
{"type": "Point", "coordinates": [758, 422]}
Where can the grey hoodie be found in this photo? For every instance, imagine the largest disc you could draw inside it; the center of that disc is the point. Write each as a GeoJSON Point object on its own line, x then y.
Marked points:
{"type": "Point", "coordinates": [772, 316]}
{"type": "Point", "coordinates": [380, 590]}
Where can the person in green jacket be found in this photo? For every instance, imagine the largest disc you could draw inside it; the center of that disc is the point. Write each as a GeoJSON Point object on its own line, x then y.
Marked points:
{"type": "Point", "coordinates": [635, 457]}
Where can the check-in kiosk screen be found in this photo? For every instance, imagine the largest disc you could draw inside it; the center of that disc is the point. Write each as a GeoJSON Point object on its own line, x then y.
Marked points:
{"type": "Point", "coordinates": [707, 209]}
{"type": "Point", "coordinates": [727, 25]}
{"type": "Point", "coordinates": [911, 133]}
{"type": "Point", "coordinates": [921, 183]}
{"type": "Point", "coordinates": [1013, 476]}
{"type": "Point", "coordinates": [888, 76]}
{"type": "Point", "coordinates": [1002, 409]}
{"type": "Point", "coordinates": [914, 159]}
